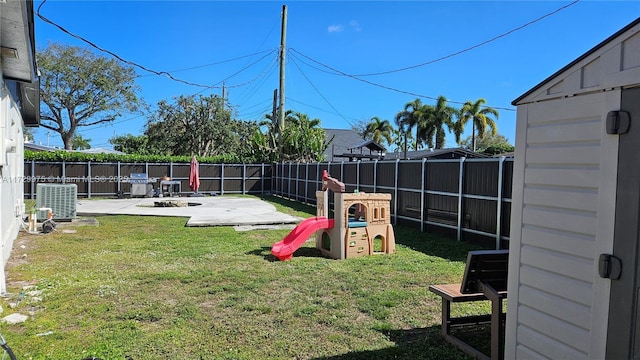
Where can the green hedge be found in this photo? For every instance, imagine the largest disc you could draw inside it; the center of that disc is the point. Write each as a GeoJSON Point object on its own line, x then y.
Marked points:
{"type": "Point", "coordinates": [62, 155]}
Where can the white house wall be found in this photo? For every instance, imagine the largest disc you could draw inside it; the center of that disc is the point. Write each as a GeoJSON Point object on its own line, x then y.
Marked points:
{"type": "Point", "coordinates": [11, 176]}
{"type": "Point", "coordinates": [563, 211]}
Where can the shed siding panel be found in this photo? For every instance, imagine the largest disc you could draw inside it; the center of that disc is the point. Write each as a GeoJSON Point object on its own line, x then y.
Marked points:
{"type": "Point", "coordinates": [576, 314]}
{"type": "Point", "coordinates": [560, 241]}
{"type": "Point", "coordinates": [524, 353]}
{"type": "Point", "coordinates": [571, 132]}
{"type": "Point", "coordinates": [557, 247]}
{"type": "Point", "coordinates": [578, 177]}
{"type": "Point", "coordinates": [562, 148]}
{"type": "Point", "coordinates": [562, 154]}
{"type": "Point", "coordinates": [630, 50]}
{"type": "Point", "coordinates": [555, 328]}
{"type": "Point", "coordinates": [570, 289]}
{"type": "Point", "coordinates": [562, 264]}
{"type": "Point", "coordinates": [577, 108]}
{"type": "Point", "coordinates": [565, 198]}
{"type": "Point", "coordinates": [566, 220]}
{"type": "Point", "coordinates": [542, 344]}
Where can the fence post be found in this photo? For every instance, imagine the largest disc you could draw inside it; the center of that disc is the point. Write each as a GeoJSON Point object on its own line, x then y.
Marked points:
{"type": "Point", "coordinates": [395, 194]}
{"type": "Point", "coordinates": [358, 175]}
{"type": "Point", "coordinates": [244, 178]}
{"type": "Point", "coordinates": [64, 171]}
{"type": "Point", "coordinates": [89, 178]}
{"type": "Point", "coordinates": [499, 205]}
{"type": "Point", "coordinates": [33, 181]}
{"type": "Point", "coordinates": [422, 194]}
{"type": "Point", "coordinates": [375, 174]}
{"type": "Point", "coordinates": [297, 180]}
{"type": "Point", "coordinates": [261, 178]}
{"type": "Point", "coordinates": [289, 182]}
{"type": "Point", "coordinates": [119, 178]}
{"type": "Point", "coordinates": [316, 188]}
{"type": "Point", "coordinates": [460, 189]}
{"type": "Point", "coordinates": [282, 181]}
{"type": "Point", "coordinates": [306, 183]}
{"type": "Point", "coordinates": [222, 179]}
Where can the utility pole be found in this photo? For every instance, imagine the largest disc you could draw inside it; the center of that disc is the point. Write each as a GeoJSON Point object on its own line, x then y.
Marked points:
{"type": "Point", "coordinates": [283, 47]}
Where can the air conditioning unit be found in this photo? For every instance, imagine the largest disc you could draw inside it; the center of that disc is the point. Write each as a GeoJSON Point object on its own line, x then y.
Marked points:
{"type": "Point", "coordinates": [61, 198]}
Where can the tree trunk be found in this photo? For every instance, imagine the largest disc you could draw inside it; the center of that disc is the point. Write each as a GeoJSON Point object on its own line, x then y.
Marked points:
{"type": "Point", "coordinates": [473, 136]}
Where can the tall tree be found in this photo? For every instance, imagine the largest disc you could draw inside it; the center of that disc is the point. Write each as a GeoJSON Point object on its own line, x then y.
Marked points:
{"type": "Point", "coordinates": [302, 140]}
{"type": "Point", "coordinates": [490, 144]}
{"type": "Point", "coordinates": [360, 126]}
{"type": "Point", "coordinates": [79, 88]}
{"type": "Point", "coordinates": [441, 116]}
{"type": "Point", "coordinates": [199, 126]}
{"type": "Point", "coordinates": [402, 120]}
{"type": "Point", "coordinates": [414, 116]}
{"type": "Point", "coordinates": [131, 144]}
{"type": "Point", "coordinates": [481, 118]}
{"type": "Point", "coordinates": [378, 130]}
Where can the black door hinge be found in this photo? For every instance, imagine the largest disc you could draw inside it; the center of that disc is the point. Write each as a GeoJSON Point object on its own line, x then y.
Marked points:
{"type": "Point", "coordinates": [609, 267]}
{"type": "Point", "coordinates": [618, 122]}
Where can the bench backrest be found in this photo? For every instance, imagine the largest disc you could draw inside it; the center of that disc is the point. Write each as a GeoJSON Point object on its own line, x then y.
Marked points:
{"type": "Point", "coordinates": [485, 267]}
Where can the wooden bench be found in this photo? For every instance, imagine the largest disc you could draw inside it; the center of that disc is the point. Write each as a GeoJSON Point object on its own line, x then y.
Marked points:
{"type": "Point", "coordinates": [485, 278]}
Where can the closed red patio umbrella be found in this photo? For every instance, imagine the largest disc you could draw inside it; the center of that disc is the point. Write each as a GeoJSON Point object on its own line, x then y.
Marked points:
{"type": "Point", "coordinates": [194, 176]}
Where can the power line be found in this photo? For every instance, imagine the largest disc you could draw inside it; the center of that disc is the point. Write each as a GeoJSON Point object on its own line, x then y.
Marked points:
{"type": "Point", "coordinates": [312, 106]}
{"type": "Point", "coordinates": [294, 51]}
{"type": "Point", "coordinates": [258, 84]}
{"type": "Point", "coordinates": [114, 54]}
{"type": "Point", "coordinates": [474, 46]}
{"type": "Point", "coordinates": [155, 72]}
{"type": "Point", "coordinates": [318, 91]}
{"type": "Point", "coordinates": [212, 64]}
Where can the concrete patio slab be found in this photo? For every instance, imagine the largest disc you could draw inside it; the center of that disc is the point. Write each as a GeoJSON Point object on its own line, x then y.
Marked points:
{"type": "Point", "coordinates": [202, 211]}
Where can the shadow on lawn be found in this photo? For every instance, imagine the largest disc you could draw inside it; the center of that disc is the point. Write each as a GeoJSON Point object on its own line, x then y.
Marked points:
{"type": "Point", "coordinates": [265, 252]}
{"type": "Point", "coordinates": [433, 245]}
{"type": "Point", "coordinates": [418, 343]}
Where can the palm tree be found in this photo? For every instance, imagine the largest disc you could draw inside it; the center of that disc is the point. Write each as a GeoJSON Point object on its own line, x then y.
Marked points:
{"type": "Point", "coordinates": [417, 115]}
{"type": "Point", "coordinates": [402, 120]}
{"type": "Point", "coordinates": [440, 115]}
{"type": "Point", "coordinates": [80, 143]}
{"type": "Point", "coordinates": [378, 130]}
{"type": "Point", "coordinates": [480, 118]}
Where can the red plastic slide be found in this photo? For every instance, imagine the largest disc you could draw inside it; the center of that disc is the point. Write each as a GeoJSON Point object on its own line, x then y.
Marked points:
{"type": "Point", "coordinates": [285, 248]}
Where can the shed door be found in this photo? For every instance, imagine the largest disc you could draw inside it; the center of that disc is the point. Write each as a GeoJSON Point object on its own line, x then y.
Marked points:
{"type": "Point", "coordinates": [623, 332]}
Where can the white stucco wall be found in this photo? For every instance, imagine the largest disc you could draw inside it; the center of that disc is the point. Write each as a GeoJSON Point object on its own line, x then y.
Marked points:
{"type": "Point", "coordinates": [11, 176]}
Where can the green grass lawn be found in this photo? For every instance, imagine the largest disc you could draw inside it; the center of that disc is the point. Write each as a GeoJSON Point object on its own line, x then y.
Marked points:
{"type": "Point", "coordinates": [150, 288]}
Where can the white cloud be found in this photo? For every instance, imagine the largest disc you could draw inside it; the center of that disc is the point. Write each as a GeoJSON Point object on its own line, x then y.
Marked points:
{"type": "Point", "coordinates": [335, 28]}
{"type": "Point", "coordinates": [355, 25]}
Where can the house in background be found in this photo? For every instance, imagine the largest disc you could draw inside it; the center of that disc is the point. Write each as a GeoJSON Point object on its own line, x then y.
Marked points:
{"type": "Point", "coordinates": [343, 139]}
{"type": "Point", "coordinates": [19, 106]}
{"type": "Point", "coordinates": [437, 154]}
{"type": "Point", "coordinates": [364, 150]}
{"type": "Point", "coordinates": [36, 147]}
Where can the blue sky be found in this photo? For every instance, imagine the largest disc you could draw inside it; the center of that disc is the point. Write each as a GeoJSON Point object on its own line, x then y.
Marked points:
{"type": "Point", "coordinates": [211, 42]}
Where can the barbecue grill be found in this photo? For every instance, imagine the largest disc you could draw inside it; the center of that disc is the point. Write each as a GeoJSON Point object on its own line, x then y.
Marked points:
{"type": "Point", "coordinates": [141, 185]}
